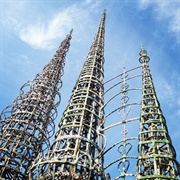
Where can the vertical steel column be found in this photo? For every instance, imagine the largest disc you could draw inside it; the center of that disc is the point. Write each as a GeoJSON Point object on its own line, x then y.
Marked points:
{"type": "Point", "coordinates": [120, 151]}
{"type": "Point", "coordinates": [78, 142]}
{"type": "Point", "coordinates": [27, 125]}
{"type": "Point", "coordinates": [125, 146]}
{"type": "Point", "coordinates": [157, 157]}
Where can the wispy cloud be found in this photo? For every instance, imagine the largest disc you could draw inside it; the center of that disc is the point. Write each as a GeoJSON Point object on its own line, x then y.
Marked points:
{"type": "Point", "coordinates": [42, 32]}
{"type": "Point", "coordinates": [166, 11]}
{"type": "Point", "coordinates": [22, 60]}
{"type": "Point", "coordinates": [166, 91]}
{"type": "Point", "coordinates": [88, 1]}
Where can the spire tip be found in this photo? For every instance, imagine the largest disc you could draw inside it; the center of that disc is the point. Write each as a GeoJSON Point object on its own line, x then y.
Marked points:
{"type": "Point", "coordinates": [141, 45]}
{"type": "Point", "coordinates": [71, 31]}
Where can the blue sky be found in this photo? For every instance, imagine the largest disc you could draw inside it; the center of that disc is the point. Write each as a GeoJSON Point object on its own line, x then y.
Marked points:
{"type": "Point", "coordinates": [32, 30]}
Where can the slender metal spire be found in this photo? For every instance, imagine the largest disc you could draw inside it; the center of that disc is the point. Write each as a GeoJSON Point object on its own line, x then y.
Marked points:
{"type": "Point", "coordinates": [157, 157]}
{"type": "Point", "coordinates": [78, 142]}
{"type": "Point", "coordinates": [27, 125]}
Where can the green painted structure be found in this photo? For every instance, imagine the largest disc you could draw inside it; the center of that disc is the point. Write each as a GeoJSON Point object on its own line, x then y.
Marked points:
{"type": "Point", "coordinates": [157, 157]}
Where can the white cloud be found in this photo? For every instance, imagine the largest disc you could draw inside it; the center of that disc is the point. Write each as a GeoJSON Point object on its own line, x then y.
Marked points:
{"type": "Point", "coordinates": [165, 10]}
{"type": "Point", "coordinates": [143, 4]}
{"type": "Point", "coordinates": [22, 60]}
{"type": "Point", "coordinates": [88, 1]}
{"type": "Point", "coordinates": [43, 32]}
{"type": "Point", "coordinates": [166, 92]}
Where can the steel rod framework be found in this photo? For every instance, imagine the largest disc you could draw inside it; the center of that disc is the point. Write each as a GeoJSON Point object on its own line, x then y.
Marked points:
{"type": "Point", "coordinates": [27, 125]}
{"type": "Point", "coordinates": [123, 151]}
{"type": "Point", "coordinates": [78, 143]}
{"type": "Point", "coordinates": [157, 157]}
{"type": "Point", "coordinates": [125, 147]}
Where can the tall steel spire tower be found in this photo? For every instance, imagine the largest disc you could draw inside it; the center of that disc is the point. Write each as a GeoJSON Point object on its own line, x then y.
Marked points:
{"type": "Point", "coordinates": [28, 123]}
{"type": "Point", "coordinates": [157, 157]}
{"type": "Point", "coordinates": [75, 152]}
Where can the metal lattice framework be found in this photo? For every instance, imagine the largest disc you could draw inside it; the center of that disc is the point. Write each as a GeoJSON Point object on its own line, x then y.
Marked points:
{"type": "Point", "coordinates": [78, 143]}
{"type": "Point", "coordinates": [27, 125]}
{"type": "Point", "coordinates": [123, 149]}
{"type": "Point", "coordinates": [157, 157]}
